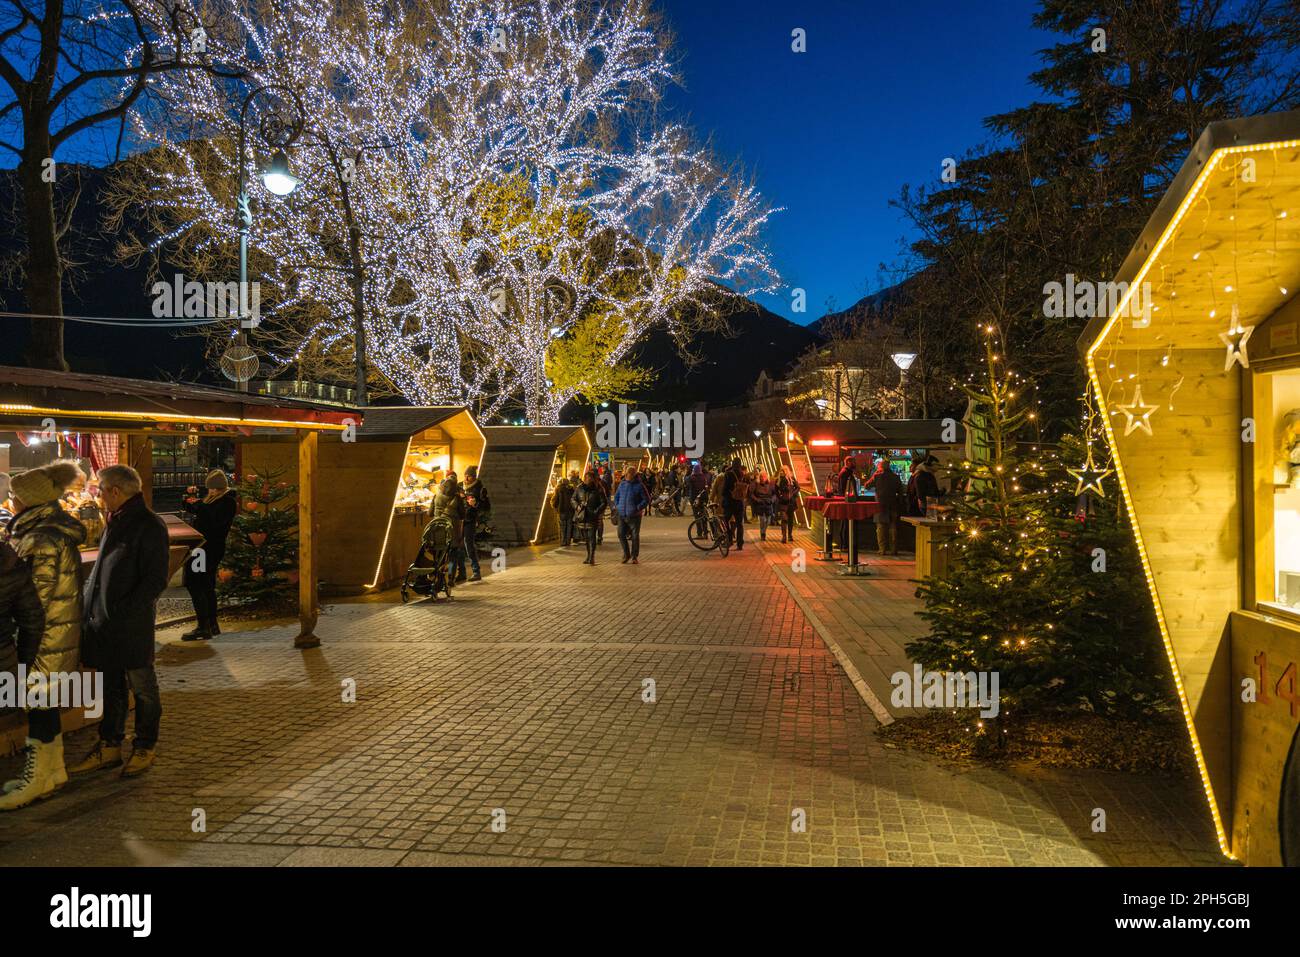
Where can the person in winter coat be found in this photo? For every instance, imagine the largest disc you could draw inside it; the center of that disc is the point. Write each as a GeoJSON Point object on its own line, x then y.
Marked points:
{"type": "Point", "coordinates": [607, 479]}
{"type": "Point", "coordinates": [562, 501]}
{"type": "Point", "coordinates": [449, 503]}
{"type": "Point", "coordinates": [47, 538]}
{"type": "Point", "coordinates": [698, 481]}
{"type": "Point", "coordinates": [476, 503]}
{"type": "Point", "coordinates": [212, 517]}
{"type": "Point", "coordinates": [786, 501]}
{"type": "Point", "coordinates": [22, 619]}
{"type": "Point", "coordinates": [121, 604]}
{"type": "Point", "coordinates": [589, 501]}
{"type": "Point", "coordinates": [889, 496]}
{"type": "Point", "coordinates": [630, 501]}
{"type": "Point", "coordinates": [923, 487]}
{"type": "Point", "coordinates": [735, 492]}
{"type": "Point", "coordinates": [761, 501]}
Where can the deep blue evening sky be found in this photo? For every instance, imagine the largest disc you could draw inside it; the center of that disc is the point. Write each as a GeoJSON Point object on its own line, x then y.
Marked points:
{"type": "Point", "coordinates": [885, 92]}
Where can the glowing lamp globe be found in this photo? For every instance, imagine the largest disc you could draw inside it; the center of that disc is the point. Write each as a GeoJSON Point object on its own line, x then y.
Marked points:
{"type": "Point", "coordinates": [277, 178]}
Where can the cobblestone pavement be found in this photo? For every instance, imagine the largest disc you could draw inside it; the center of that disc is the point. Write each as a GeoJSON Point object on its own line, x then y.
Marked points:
{"type": "Point", "coordinates": [524, 697]}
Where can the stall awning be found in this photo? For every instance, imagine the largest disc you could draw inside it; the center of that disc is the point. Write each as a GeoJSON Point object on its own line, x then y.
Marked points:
{"type": "Point", "coordinates": [876, 433]}
{"type": "Point", "coordinates": [98, 403]}
{"type": "Point", "coordinates": [523, 438]}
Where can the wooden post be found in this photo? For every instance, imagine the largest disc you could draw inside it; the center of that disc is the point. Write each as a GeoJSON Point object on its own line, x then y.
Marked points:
{"type": "Point", "coordinates": [140, 457]}
{"type": "Point", "coordinates": [308, 602]}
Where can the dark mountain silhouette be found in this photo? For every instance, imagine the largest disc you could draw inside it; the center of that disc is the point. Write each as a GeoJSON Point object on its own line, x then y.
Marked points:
{"type": "Point", "coordinates": [876, 304]}
{"type": "Point", "coordinates": [729, 361]}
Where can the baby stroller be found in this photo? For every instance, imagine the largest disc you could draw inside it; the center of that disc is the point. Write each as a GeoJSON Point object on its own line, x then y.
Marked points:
{"type": "Point", "coordinates": [429, 573]}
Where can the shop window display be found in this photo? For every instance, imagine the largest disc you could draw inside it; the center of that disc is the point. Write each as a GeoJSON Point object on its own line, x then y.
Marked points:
{"type": "Point", "coordinates": [1286, 490]}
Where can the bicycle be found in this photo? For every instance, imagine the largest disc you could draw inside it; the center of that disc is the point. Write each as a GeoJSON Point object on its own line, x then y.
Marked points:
{"type": "Point", "coordinates": [708, 530]}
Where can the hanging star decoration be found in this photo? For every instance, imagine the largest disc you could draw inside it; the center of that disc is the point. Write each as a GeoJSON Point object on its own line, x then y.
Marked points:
{"type": "Point", "coordinates": [1089, 477]}
{"type": "Point", "coordinates": [1235, 340]}
{"type": "Point", "coordinates": [1135, 419]}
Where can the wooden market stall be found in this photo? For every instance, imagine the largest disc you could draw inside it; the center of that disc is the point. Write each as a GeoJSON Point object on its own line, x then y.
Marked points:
{"type": "Point", "coordinates": [1195, 367]}
{"type": "Point", "coordinates": [521, 466]}
{"type": "Point", "coordinates": [379, 490]}
{"type": "Point", "coordinates": [815, 449]}
{"type": "Point", "coordinates": [113, 420]}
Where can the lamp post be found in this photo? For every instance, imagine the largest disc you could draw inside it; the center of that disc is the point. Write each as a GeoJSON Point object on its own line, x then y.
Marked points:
{"type": "Point", "coordinates": [278, 128]}
{"type": "Point", "coordinates": [904, 362]}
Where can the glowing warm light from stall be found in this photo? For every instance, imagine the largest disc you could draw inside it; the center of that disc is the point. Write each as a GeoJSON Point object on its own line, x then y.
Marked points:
{"type": "Point", "coordinates": [1105, 414]}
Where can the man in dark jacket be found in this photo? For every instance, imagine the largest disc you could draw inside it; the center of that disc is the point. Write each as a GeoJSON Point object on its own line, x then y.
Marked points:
{"type": "Point", "coordinates": [117, 638]}
{"type": "Point", "coordinates": [889, 496]}
{"type": "Point", "coordinates": [563, 503]}
{"type": "Point", "coordinates": [476, 502]}
{"type": "Point", "coordinates": [735, 492]}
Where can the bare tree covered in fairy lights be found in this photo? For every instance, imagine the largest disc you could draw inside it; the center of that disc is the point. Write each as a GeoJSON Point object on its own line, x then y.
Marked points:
{"type": "Point", "coordinates": [479, 179]}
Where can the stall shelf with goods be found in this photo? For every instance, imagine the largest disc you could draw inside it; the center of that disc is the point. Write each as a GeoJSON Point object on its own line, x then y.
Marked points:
{"type": "Point", "coordinates": [379, 488]}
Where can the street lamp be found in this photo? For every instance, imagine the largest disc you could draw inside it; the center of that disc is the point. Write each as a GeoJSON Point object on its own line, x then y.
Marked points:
{"type": "Point", "coordinates": [904, 362]}
{"type": "Point", "coordinates": [278, 127]}
{"type": "Point", "coordinates": [821, 405]}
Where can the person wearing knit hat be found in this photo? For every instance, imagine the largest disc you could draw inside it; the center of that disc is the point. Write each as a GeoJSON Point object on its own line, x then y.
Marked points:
{"type": "Point", "coordinates": [45, 484]}
{"type": "Point", "coordinates": [212, 517]}
{"type": "Point", "coordinates": [49, 538]}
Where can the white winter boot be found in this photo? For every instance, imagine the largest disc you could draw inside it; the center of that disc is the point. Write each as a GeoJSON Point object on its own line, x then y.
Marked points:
{"type": "Point", "coordinates": [59, 769]}
{"type": "Point", "coordinates": [36, 780]}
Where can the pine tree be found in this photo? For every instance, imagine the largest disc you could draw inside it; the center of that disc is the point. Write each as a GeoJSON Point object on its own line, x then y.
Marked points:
{"type": "Point", "coordinates": [261, 562]}
{"type": "Point", "coordinates": [1045, 587]}
{"type": "Point", "coordinates": [1069, 181]}
{"type": "Point", "coordinates": [997, 608]}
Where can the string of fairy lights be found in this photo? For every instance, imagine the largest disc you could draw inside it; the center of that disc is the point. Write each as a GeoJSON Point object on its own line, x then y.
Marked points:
{"type": "Point", "coordinates": [500, 182]}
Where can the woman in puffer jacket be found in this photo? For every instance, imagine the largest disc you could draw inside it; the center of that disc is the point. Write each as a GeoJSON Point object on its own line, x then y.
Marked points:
{"type": "Point", "coordinates": [48, 538]}
{"type": "Point", "coordinates": [761, 501]}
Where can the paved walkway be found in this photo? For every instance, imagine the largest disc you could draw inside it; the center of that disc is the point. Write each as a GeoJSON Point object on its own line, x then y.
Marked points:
{"type": "Point", "coordinates": [522, 702]}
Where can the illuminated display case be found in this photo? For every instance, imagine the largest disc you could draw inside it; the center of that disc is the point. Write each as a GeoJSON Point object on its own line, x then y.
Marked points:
{"type": "Point", "coordinates": [375, 493]}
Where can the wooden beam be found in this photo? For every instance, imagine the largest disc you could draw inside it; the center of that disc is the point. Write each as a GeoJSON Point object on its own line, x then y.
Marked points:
{"type": "Point", "coordinates": [140, 458]}
{"type": "Point", "coordinates": [308, 600]}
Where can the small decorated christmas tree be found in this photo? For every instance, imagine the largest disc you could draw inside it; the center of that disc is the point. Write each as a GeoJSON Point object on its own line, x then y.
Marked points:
{"type": "Point", "coordinates": [1045, 587]}
{"type": "Point", "coordinates": [261, 563]}
{"type": "Point", "coordinates": [998, 607]}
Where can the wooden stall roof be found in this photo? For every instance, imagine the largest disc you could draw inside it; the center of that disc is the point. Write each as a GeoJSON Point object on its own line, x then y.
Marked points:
{"type": "Point", "coordinates": [883, 433]}
{"type": "Point", "coordinates": [87, 402]}
{"type": "Point", "coordinates": [401, 422]}
{"type": "Point", "coordinates": [521, 438]}
{"type": "Point", "coordinates": [1187, 239]}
